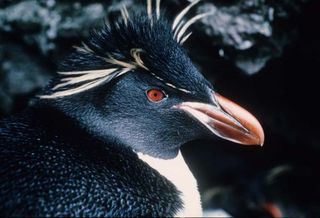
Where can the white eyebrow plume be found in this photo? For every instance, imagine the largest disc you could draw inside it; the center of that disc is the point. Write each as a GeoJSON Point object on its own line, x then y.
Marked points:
{"type": "Point", "coordinates": [149, 10]}
{"type": "Point", "coordinates": [95, 78]}
{"type": "Point", "coordinates": [179, 27]}
{"type": "Point", "coordinates": [182, 13]}
{"type": "Point", "coordinates": [125, 14]}
{"type": "Point", "coordinates": [185, 38]}
{"type": "Point", "coordinates": [84, 76]}
{"type": "Point", "coordinates": [158, 9]}
{"type": "Point", "coordinates": [185, 27]}
{"type": "Point", "coordinates": [73, 82]}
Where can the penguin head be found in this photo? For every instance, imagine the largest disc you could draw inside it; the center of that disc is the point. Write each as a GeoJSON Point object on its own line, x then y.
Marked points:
{"type": "Point", "coordinates": [132, 82]}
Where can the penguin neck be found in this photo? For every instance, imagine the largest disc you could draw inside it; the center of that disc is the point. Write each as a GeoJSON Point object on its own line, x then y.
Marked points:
{"type": "Point", "coordinates": [178, 173]}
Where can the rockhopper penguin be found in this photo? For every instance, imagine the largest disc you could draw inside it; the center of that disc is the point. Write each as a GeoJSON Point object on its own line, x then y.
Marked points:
{"type": "Point", "coordinates": [103, 138]}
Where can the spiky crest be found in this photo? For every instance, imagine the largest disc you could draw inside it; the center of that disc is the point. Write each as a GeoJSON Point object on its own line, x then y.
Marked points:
{"type": "Point", "coordinates": [73, 82]}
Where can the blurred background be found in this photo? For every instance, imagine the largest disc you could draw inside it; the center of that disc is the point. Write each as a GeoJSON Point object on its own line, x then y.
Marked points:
{"type": "Point", "coordinates": [263, 54]}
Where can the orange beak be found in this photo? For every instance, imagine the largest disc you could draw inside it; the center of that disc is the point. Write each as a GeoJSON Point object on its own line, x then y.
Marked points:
{"type": "Point", "coordinates": [227, 120]}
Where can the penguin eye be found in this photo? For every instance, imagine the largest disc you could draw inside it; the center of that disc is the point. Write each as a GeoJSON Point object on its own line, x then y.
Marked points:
{"type": "Point", "coordinates": [155, 95]}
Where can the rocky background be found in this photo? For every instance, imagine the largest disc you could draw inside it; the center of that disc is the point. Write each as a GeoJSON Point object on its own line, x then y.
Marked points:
{"type": "Point", "coordinates": [264, 54]}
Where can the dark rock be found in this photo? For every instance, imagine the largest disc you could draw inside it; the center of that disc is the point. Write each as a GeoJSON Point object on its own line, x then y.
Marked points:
{"type": "Point", "coordinates": [21, 75]}
{"type": "Point", "coordinates": [247, 31]}
{"type": "Point", "coordinates": [42, 22]}
{"type": "Point", "coordinates": [33, 36]}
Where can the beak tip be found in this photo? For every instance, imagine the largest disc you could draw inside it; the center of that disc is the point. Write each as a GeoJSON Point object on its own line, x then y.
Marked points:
{"type": "Point", "coordinates": [261, 143]}
{"type": "Point", "coordinates": [259, 135]}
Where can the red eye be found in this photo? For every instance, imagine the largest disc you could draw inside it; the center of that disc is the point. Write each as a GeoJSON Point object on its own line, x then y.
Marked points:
{"type": "Point", "coordinates": [155, 95]}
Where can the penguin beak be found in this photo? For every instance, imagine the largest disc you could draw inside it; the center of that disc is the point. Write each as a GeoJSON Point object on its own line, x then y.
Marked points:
{"type": "Point", "coordinates": [226, 119]}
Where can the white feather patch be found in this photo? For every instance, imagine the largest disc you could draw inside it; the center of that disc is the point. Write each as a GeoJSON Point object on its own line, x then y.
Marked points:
{"type": "Point", "coordinates": [178, 173]}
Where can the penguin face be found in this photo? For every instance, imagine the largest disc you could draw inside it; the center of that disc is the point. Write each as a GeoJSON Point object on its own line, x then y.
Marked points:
{"type": "Point", "coordinates": [141, 111]}
{"type": "Point", "coordinates": [133, 82]}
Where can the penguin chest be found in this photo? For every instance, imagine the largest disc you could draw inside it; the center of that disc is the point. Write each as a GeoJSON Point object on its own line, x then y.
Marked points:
{"type": "Point", "coordinates": [178, 173]}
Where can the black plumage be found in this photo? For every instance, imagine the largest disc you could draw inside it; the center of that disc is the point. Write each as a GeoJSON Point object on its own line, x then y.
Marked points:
{"type": "Point", "coordinates": [45, 172]}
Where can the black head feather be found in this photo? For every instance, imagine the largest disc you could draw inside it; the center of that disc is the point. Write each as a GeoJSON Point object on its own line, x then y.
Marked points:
{"type": "Point", "coordinates": [147, 37]}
